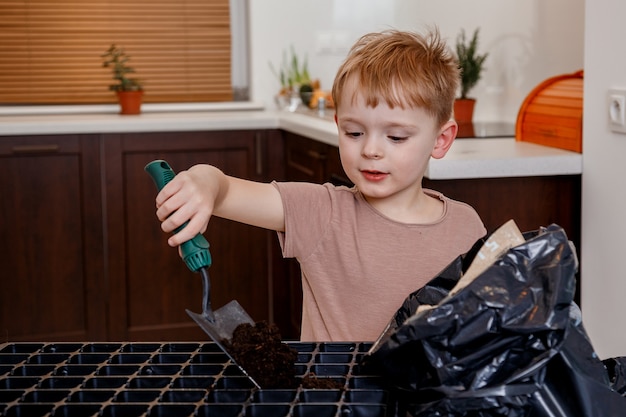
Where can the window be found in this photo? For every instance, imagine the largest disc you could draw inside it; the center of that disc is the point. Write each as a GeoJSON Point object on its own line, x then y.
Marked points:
{"type": "Point", "coordinates": [51, 49]}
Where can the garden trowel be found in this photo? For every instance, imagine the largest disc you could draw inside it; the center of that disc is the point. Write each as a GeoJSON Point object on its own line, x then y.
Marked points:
{"type": "Point", "coordinates": [218, 324]}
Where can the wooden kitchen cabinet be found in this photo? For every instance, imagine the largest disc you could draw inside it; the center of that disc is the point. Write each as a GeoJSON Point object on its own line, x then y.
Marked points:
{"type": "Point", "coordinates": [312, 161]}
{"type": "Point", "coordinates": [150, 286]}
{"type": "Point", "coordinates": [83, 254]}
{"type": "Point", "coordinates": [533, 202]}
{"type": "Point", "coordinates": [51, 251]}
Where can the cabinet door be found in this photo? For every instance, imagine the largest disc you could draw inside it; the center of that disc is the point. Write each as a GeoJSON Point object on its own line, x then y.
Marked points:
{"type": "Point", "coordinates": [305, 159]}
{"type": "Point", "coordinates": [150, 285]}
{"type": "Point", "coordinates": [532, 202]}
{"type": "Point", "coordinates": [334, 170]}
{"type": "Point", "coordinates": [51, 248]}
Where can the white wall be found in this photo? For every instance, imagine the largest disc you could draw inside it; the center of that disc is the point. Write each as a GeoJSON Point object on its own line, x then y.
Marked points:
{"type": "Point", "coordinates": [604, 200]}
{"type": "Point", "coordinates": [528, 40]}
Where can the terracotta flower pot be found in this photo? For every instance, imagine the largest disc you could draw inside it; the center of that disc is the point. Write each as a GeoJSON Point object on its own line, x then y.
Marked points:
{"type": "Point", "coordinates": [464, 110]}
{"type": "Point", "coordinates": [130, 101]}
{"type": "Point", "coordinates": [463, 114]}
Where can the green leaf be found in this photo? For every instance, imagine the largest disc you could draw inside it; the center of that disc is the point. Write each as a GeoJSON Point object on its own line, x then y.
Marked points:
{"type": "Point", "coordinates": [470, 62]}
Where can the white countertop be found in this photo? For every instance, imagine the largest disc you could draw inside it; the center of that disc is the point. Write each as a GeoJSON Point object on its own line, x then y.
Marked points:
{"type": "Point", "coordinates": [468, 158]}
{"type": "Point", "coordinates": [503, 157]}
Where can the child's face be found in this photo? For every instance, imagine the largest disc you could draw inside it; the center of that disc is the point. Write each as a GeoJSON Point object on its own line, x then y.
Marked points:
{"type": "Point", "coordinates": [385, 151]}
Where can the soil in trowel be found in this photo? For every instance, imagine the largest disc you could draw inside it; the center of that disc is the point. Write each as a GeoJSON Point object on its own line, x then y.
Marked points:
{"type": "Point", "coordinates": [271, 363]}
{"type": "Point", "coordinates": [259, 351]}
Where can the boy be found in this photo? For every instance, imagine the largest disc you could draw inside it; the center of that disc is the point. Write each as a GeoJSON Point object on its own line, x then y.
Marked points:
{"type": "Point", "coordinates": [362, 250]}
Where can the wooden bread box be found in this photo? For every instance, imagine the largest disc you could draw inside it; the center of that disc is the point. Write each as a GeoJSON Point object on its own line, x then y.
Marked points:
{"type": "Point", "coordinates": [552, 114]}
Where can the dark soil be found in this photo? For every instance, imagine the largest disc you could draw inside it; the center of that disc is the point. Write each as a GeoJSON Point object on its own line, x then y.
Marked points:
{"type": "Point", "coordinates": [311, 381]}
{"type": "Point", "coordinates": [258, 349]}
{"type": "Point", "coordinates": [271, 363]}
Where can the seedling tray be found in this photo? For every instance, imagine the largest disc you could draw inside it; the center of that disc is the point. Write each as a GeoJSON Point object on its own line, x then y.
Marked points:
{"type": "Point", "coordinates": [177, 379]}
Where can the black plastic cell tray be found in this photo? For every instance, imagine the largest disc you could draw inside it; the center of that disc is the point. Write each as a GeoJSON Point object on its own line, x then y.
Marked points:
{"type": "Point", "coordinates": [177, 379]}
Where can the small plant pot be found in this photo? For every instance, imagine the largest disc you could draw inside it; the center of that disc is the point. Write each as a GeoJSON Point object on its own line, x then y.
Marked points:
{"type": "Point", "coordinates": [464, 110]}
{"type": "Point", "coordinates": [130, 101]}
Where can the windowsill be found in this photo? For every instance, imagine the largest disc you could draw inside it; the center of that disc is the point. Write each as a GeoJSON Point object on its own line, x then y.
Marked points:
{"type": "Point", "coordinates": [28, 110]}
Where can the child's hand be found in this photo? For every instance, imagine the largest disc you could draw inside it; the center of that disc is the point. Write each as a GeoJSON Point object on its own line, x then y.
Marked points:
{"type": "Point", "coordinates": [190, 196]}
{"type": "Point", "coordinates": [204, 191]}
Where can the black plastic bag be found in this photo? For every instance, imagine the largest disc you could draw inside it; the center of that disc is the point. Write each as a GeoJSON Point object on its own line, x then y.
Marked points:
{"type": "Point", "coordinates": [510, 343]}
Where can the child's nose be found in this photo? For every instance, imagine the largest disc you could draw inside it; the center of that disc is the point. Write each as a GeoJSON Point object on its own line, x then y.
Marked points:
{"type": "Point", "coordinates": [371, 149]}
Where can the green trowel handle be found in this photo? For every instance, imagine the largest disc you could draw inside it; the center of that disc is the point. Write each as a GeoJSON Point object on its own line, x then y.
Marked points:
{"type": "Point", "coordinates": [195, 252]}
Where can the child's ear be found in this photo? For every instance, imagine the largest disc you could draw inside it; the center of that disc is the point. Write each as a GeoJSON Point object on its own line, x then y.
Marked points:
{"type": "Point", "coordinates": [444, 141]}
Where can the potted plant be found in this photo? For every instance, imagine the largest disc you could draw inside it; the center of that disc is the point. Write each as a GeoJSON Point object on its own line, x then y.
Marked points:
{"type": "Point", "coordinates": [295, 81]}
{"type": "Point", "coordinates": [129, 90]}
{"type": "Point", "coordinates": [471, 65]}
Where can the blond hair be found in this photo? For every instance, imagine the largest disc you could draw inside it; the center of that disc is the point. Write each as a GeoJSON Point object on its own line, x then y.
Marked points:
{"type": "Point", "coordinates": [404, 69]}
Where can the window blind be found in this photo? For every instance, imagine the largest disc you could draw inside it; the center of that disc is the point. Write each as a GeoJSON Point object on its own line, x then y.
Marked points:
{"type": "Point", "coordinates": [51, 49]}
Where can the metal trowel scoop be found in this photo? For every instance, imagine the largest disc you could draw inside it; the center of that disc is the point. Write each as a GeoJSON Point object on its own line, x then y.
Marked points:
{"type": "Point", "coordinates": [218, 324]}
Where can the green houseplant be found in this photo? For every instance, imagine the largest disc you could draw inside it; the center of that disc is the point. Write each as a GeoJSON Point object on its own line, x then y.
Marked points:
{"type": "Point", "coordinates": [471, 64]}
{"type": "Point", "coordinates": [129, 90]}
{"type": "Point", "coordinates": [294, 78]}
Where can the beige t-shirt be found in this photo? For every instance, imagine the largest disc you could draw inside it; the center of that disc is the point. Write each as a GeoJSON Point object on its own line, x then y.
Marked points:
{"type": "Point", "coordinates": [357, 265]}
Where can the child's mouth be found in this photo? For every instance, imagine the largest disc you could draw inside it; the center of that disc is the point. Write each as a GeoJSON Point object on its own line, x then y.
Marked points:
{"type": "Point", "coordinates": [373, 175]}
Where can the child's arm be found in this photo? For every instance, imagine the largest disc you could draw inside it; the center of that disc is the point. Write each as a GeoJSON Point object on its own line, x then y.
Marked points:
{"type": "Point", "coordinates": [203, 191]}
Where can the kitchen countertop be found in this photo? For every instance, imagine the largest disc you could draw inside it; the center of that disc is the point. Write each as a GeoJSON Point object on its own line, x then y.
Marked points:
{"type": "Point", "coordinates": [468, 157]}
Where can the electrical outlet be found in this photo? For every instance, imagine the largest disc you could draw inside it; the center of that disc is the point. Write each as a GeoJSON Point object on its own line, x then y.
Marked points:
{"type": "Point", "coordinates": [617, 110]}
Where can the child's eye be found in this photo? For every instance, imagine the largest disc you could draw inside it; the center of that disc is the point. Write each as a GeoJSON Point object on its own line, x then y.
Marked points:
{"type": "Point", "coordinates": [397, 138]}
{"type": "Point", "coordinates": [354, 134]}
